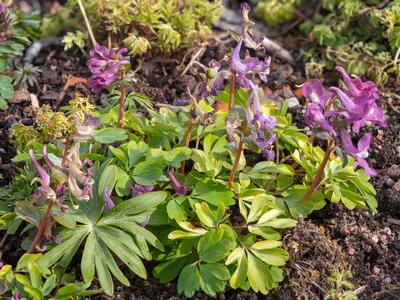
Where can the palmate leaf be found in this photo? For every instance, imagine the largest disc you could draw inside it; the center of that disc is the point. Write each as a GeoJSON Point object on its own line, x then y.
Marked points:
{"type": "Point", "coordinates": [117, 233]}
{"type": "Point", "coordinates": [256, 266]}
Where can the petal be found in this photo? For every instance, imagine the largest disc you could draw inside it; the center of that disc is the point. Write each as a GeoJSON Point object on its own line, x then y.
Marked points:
{"type": "Point", "coordinates": [46, 158]}
{"type": "Point", "coordinates": [109, 203]}
{"type": "Point", "coordinates": [368, 171]}
{"type": "Point", "coordinates": [349, 104]}
{"type": "Point", "coordinates": [42, 172]}
{"type": "Point", "coordinates": [347, 143]}
{"type": "Point", "coordinates": [364, 143]}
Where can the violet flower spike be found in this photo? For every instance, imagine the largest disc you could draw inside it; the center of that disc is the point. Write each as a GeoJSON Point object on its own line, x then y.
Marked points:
{"type": "Point", "coordinates": [104, 64]}
{"type": "Point", "coordinates": [265, 144]}
{"type": "Point", "coordinates": [109, 203]}
{"type": "Point", "coordinates": [45, 178]}
{"type": "Point", "coordinates": [360, 152]}
{"type": "Point", "coordinates": [178, 187]}
{"type": "Point", "coordinates": [5, 28]}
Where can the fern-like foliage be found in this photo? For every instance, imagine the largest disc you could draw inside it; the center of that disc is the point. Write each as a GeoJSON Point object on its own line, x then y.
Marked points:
{"type": "Point", "coordinates": [146, 24]}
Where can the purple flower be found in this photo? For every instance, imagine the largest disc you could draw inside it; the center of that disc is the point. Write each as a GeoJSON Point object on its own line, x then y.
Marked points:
{"type": "Point", "coordinates": [360, 152]}
{"type": "Point", "coordinates": [138, 189]}
{"type": "Point", "coordinates": [265, 144]}
{"type": "Point", "coordinates": [314, 91]}
{"type": "Point", "coordinates": [178, 187]}
{"type": "Point", "coordinates": [232, 124]}
{"type": "Point", "coordinates": [16, 296]}
{"type": "Point", "coordinates": [255, 115]}
{"type": "Point", "coordinates": [315, 116]}
{"type": "Point", "coordinates": [44, 176]}
{"type": "Point", "coordinates": [252, 64]}
{"type": "Point", "coordinates": [244, 6]}
{"type": "Point", "coordinates": [359, 113]}
{"type": "Point", "coordinates": [104, 64]}
{"type": "Point", "coordinates": [360, 90]}
{"type": "Point", "coordinates": [109, 203]}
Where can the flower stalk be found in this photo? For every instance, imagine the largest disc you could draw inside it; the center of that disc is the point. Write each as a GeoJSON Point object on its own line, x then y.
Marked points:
{"type": "Point", "coordinates": [318, 176]}
{"type": "Point", "coordinates": [238, 155]}
{"type": "Point", "coordinates": [188, 134]}
{"type": "Point", "coordinates": [42, 227]}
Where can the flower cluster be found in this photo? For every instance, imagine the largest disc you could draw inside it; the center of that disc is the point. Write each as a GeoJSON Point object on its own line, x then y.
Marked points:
{"type": "Point", "coordinates": [104, 64]}
{"type": "Point", "coordinates": [240, 72]}
{"type": "Point", "coordinates": [5, 28]}
{"type": "Point", "coordinates": [354, 106]}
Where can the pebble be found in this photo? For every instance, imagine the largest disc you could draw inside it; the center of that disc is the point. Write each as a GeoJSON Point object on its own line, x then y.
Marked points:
{"type": "Point", "coordinates": [389, 182]}
{"type": "Point", "coordinates": [351, 251]}
{"type": "Point", "coordinates": [397, 186]}
{"type": "Point", "coordinates": [387, 280]}
{"type": "Point", "coordinates": [387, 231]}
{"type": "Point", "coordinates": [375, 238]}
{"type": "Point", "coordinates": [376, 271]}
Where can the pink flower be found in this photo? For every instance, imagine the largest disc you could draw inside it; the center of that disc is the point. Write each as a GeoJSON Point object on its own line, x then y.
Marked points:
{"type": "Point", "coordinates": [109, 203]}
{"type": "Point", "coordinates": [177, 186]}
{"type": "Point", "coordinates": [360, 152]}
{"type": "Point", "coordinates": [104, 64]}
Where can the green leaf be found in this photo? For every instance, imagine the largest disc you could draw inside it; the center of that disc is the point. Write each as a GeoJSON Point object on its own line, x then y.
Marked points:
{"type": "Point", "coordinates": [273, 257]}
{"type": "Point", "coordinates": [107, 179]}
{"type": "Point", "coordinates": [259, 275]}
{"type": "Point", "coordinates": [213, 278]}
{"type": "Point", "coordinates": [213, 193]}
{"type": "Point", "coordinates": [147, 173]}
{"type": "Point", "coordinates": [216, 244]}
{"type": "Point", "coordinates": [176, 211]}
{"type": "Point", "coordinates": [189, 280]}
{"type": "Point", "coordinates": [109, 135]}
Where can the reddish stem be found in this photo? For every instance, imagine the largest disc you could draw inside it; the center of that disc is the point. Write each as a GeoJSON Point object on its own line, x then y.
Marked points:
{"type": "Point", "coordinates": [42, 226]}
{"type": "Point", "coordinates": [187, 141]}
{"type": "Point", "coordinates": [121, 107]}
{"type": "Point", "coordinates": [232, 90]}
{"type": "Point", "coordinates": [318, 176]}
{"type": "Point", "coordinates": [237, 159]}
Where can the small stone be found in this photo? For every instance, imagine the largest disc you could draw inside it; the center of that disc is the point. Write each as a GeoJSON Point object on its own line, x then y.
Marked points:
{"type": "Point", "coordinates": [380, 132]}
{"type": "Point", "coordinates": [351, 251]}
{"type": "Point", "coordinates": [375, 238]}
{"type": "Point", "coordinates": [394, 171]}
{"type": "Point", "coordinates": [389, 182]}
{"type": "Point", "coordinates": [387, 231]}
{"type": "Point", "coordinates": [397, 186]}
{"type": "Point", "coordinates": [379, 137]}
{"type": "Point", "coordinates": [345, 231]}
{"type": "Point", "coordinates": [384, 239]}
{"type": "Point", "coordinates": [376, 271]}
{"type": "Point", "coordinates": [387, 280]}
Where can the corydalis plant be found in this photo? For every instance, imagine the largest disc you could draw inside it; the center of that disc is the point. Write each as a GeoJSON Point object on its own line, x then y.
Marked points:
{"type": "Point", "coordinates": [5, 22]}
{"type": "Point", "coordinates": [105, 67]}
{"type": "Point", "coordinates": [343, 110]}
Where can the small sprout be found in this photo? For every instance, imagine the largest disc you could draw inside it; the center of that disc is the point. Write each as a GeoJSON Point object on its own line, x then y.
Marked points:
{"type": "Point", "coordinates": [26, 76]}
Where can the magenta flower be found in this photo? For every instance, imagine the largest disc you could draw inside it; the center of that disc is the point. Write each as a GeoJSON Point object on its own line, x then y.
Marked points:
{"type": "Point", "coordinates": [360, 90]}
{"type": "Point", "coordinates": [44, 176]}
{"type": "Point", "coordinates": [359, 113]}
{"type": "Point", "coordinates": [177, 186]}
{"type": "Point", "coordinates": [360, 152]}
{"type": "Point", "coordinates": [315, 116]}
{"type": "Point", "coordinates": [138, 189]}
{"type": "Point", "coordinates": [109, 203]}
{"type": "Point", "coordinates": [314, 91]}
{"type": "Point", "coordinates": [46, 157]}
{"type": "Point", "coordinates": [104, 64]}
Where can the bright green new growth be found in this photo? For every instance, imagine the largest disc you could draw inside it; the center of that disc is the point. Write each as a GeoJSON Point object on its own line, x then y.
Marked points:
{"type": "Point", "coordinates": [361, 35]}
{"type": "Point", "coordinates": [143, 24]}
{"type": "Point", "coordinates": [341, 287]}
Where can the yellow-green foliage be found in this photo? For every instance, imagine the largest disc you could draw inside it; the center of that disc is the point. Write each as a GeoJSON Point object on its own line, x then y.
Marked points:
{"type": "Point", "coordinates": [145, 24]}
{"type": "Point", "coordinates": [49, 125]}
{"type": "Point", "coordinates": [356, 34]}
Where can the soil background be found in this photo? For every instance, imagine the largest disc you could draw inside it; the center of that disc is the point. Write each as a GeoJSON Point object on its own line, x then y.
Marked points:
{"type": "Point", "coordinates": [332, 238]}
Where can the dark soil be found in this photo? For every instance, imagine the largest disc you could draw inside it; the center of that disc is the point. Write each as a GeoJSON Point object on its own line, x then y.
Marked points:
{"type": "Point", "coordinates": [333, 238]}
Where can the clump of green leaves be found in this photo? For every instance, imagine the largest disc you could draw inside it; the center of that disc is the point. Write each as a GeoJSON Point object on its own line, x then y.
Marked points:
{"type": "Point", "coordinates": [24, 28]}
{"type": "Point", "coordinates": [360, 35]}
{"type": "Point", "coordinates": [341, 287]}
{"type": "Point", "coordinates": [147, 24]}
